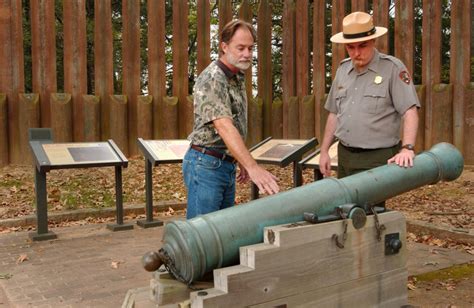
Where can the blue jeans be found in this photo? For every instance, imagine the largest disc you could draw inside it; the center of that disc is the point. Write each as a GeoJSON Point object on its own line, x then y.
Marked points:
{"type": "Point", "coordinates": [210, 183]}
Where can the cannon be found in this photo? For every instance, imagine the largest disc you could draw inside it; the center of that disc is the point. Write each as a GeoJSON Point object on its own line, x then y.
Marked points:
{"type": "Point", "coordinates": [195, 247]}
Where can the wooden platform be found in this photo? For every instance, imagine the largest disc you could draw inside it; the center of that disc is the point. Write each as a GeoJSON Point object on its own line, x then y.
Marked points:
{"type": "Point", "coordinates": [300, 265]}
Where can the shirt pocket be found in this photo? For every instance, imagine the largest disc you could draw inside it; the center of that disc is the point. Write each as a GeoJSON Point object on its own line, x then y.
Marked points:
{"type": "Point", "coordinates": [340, 97]}
{"type": "Point", "coordinates": [375, 99]}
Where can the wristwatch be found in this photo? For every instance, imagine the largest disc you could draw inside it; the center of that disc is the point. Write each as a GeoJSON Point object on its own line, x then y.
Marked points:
{"type": "Point", "coordinates": [408, 147]}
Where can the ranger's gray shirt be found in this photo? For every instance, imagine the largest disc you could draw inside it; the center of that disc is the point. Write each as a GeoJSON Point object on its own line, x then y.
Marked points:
{"type": "Point", "coordinates": [369, 105]}
{"type": "Point", "coordinates": [218, 93]}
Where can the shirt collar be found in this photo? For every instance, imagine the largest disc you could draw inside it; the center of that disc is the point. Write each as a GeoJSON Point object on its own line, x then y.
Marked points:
{"type": "Point", "coordinates": [227, 71]}
{"type": "Point", "coordinates": [373, 64]}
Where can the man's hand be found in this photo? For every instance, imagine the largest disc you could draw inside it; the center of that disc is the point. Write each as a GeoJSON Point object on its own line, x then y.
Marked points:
{"type": "Point", "coordinates": [265, 181]}
{"type": "Point", "coordinates": [243, 176]}
{"type": "Point", "coordinates": [325, 163]}
{"type": "Point", "coordinates": [404, 158]}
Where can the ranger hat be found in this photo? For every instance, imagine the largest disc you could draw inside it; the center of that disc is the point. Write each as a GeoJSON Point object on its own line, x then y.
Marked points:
{"type": "Point", "coordinates": [357, 27]}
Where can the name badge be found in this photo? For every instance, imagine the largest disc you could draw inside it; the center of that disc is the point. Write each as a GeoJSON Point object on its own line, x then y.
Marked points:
{"type": "Point", "coordinates": [378, 80]}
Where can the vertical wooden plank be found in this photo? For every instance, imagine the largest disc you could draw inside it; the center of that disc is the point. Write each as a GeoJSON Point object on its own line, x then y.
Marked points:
{"type": "Point", "coordinates": [288, 83]}
{"type": "Point", "coordinates": [157, 63]}
{"type": "Point", "coordinates": [245, 13]}
{"type": "Point", "coordinates": [441, 114]}
{"type": "Point", "coordinates": [11, 69]}
{"type": "Point", "coordinates": [28, 110]}
{"type": "Point", "coordinates": [302, 58]}
{"type": "Point", "coordinates": [461, 36]}
{"type": "Point", "coordinates": [3, 130]}
{"type": "Point", "coordinates": [43, 55]}
{"type": "Point", "coordinates": [307, 117]}
{"type": "Point", "coordinates": [380, 8]}
{"type": "Point", "coordinates": [61, 117]}
{"type": "Point", "coordinates": [359, 6]}
{"type": "Point", "coordinates": [293, 118]}
{"type": "Point", "coordinates": [277, 119]}
{"type": "Point", "coordinates": [92, 117]}
{"type": "Point", "coordinates": [203, 35]}
{"type": "Point", "coordinates": [431, 64]}
{"type": "Point", "coordinates": [255, 125]}
{"type": "Point", "coordinates": [75, 61]}
{"type": "Point", "coordinates": [420, 136]}
{"type": "Point", "coordinates": [144, 113]}
{"type": "Point", "coordinates": [103, 61]}
{"type": "Point", "coordinates": [180, 67]}
{"type": "Point", "coordinates": [338, 50]}
{"type": "Point", "coordinates": [404, 34]}
{"type": "Point", "coordinates": [319, 64]}
{"type": "Point", "coordinates": [131, 66]}
{"type": "Point", "coordinates": [119, 122]}
{"type": "Point", "coordinates": [170, 122]}
{"type": "Point", "coordinates": [225, 13]}
{"type": "Point", "coordinates": [265, 89]}
{"type": "Point", "coordinates": [469, 124]}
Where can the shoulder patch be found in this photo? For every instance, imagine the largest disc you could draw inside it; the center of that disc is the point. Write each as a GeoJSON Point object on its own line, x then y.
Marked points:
{"type": "Point", "coordinates": [405, 77]}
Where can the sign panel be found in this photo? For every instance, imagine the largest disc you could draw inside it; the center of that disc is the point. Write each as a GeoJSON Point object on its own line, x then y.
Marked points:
{"type": "Point", "coordinates": [166, 150]}
{"type": "Point", "coordinates": [275, 150]}
{"type": "Point", "coordinates": [314, 161]}
{"type": "Point", "coordinates": [80, 153]}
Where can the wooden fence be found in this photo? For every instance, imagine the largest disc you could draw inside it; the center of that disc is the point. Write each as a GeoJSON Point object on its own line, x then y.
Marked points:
{"type": "Point", "coordinates": [447, 112]}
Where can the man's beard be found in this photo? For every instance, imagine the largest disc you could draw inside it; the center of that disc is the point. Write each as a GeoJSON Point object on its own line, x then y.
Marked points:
{"type": "Point", "coordinates": [238, 64]}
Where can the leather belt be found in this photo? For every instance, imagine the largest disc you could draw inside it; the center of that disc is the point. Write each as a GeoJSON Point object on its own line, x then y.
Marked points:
{"type": "Point", "coordinates": [361, 150]}
{"type": "Point", "coordinates": [216, 154]}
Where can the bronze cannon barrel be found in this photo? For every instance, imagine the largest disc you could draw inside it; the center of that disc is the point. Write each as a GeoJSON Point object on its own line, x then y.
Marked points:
{"type": "Point", "coordinates": [195, 247]}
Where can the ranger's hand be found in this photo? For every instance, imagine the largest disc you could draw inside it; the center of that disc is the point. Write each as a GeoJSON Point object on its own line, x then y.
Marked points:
{"type": "Point", "coordinates": [404, 158]}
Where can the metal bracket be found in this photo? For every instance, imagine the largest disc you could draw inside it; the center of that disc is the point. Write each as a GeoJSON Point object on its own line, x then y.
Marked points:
{"type": "Point", "coordinates": [392, 243]}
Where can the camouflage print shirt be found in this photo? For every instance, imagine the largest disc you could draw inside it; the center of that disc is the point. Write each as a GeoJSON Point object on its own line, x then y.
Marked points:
{"type": "Point", "coordinates": [218, 93]}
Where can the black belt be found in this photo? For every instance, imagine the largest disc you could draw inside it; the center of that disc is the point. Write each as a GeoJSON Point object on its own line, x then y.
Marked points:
{"type": "Point", "coordinates": [361, 150]}
{"type": "Point", "coordinates": [216, 154]}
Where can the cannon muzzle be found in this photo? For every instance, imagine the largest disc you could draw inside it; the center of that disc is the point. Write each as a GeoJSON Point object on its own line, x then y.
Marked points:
{"type": "Point", "coordinates": [195, 247]}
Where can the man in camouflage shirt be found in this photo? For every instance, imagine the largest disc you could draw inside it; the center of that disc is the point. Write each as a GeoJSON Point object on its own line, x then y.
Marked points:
{"type": "Point", "coordinates": [220, 128]}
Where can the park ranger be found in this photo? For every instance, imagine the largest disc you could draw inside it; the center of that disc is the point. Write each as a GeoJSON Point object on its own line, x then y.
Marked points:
{"type": "Point", "coordinates": [220, 128]}
{"type": "Point", "coordinates": [370, 95]}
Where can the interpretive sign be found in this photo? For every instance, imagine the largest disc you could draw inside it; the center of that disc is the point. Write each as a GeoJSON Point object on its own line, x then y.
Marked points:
{"type": "Point", "coordinates": [49, 155]}
{"type": "Point", "coordinates": [282, 152]}
{"type": "Point", "coordinates": [158, 152]}
{"type": "Point", "coordinates": [312, 161]}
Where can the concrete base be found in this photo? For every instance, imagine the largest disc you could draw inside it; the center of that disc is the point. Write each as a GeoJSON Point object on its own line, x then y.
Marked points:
{"type": "Point", "coordinates": [149, 224]}
{"type": "Point", "coordinates": [119, 227]}
{"type": "Point", "coordinates": [43, 237]}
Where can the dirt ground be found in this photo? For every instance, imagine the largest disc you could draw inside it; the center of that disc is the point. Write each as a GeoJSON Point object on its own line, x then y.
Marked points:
{"type": "Point", "coordinates": [449, 204]}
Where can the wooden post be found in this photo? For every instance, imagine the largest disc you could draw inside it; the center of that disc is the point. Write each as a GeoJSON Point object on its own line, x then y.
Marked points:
{"type": "Point", "coordinates": [170, 122]}
{"type": "Point", "coordinates": [319, 64]}
{"type": "Point", "coordinates": [11, 70]}
{"type": "Point", "coordinates": [380, 8]}
{"type": "Point", "coordinates": [75, 61]}
{"type": "Point", "coordinates": [461, 36]}
{"type": "Point", "coordinates": [277, 119]}
{"type": "Point", "coordinates": [293, 118]}
{"type": "Point", "coordinates": [441, 114]}
{"type": "Point", "coordinates": [431, 65]}
{"type": "Point", "coordinates": [103, 63]}
{"type": "Point", "coordinates": [157, 63]}
{"type": "Point", "coordinates": [303, 66]}
{"type": "Point", "coordinates": [61, 117]}
{"type": "Point", "coordinates": [307, 117]}
{"type": "Point", "coordinates": [245, 13]}
{"type": "Point", "coordinates": [288, 83]}
{"type": "Point", "coordinates": [3, 130]}
{"type": "Point", "coordinates": [144, 114]}
{"type": "Point", "coordinates": [420, 136]}
{"type": "Point", "coordinates": [225, 13]}
{"type": "Point", "coordinates": [92, 106]}
{"type": "Point", "coordinates": [255, 121]}
{"type": "Point", "coordinates": [131, 71]}
{"type": "Point", "coordinates": [338, 50]}
{"type": "Point", "coordinates": [43, 55]}
{"type": "Point", "coordinates": [180, 66]}
{"type": "Point", "coordinates": [118, 122]}
{"type": "Point", "coordinates": [469, 128]}
{"type": "Point", "coordinates": [404, 34]}
{"type": "Point", "coordinates": [28, 117]}
{"type": "Point", "coordinates": [203, 35]}
{"type": "Point", "coordinates": [265, 88]}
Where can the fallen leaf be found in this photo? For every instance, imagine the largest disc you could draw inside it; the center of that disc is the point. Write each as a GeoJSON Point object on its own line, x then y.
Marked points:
{"type": "Point", "coordinates": [411, 286]}
{"type": "Point", "coordinates": [22, 258]}
{"type": "Point", "coordinates": [434, 263]}
{"type": "Point", "coordinates": [115, 264]}
{"type": "Point", "coordinates": [6, 276]}
{"type": "Point", "coordinates": [450, 288]}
